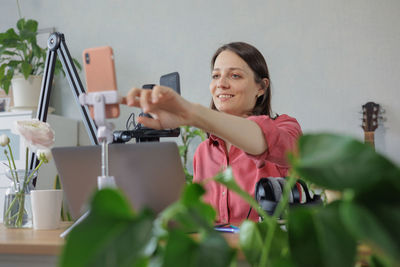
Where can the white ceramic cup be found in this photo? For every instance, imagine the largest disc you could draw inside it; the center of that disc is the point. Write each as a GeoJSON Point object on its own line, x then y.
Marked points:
{"type": "Point", "coordinates": [46, 208]}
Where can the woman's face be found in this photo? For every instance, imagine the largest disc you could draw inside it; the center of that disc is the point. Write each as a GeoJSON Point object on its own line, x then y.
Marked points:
{"type": "Point", "coordinates": [233, 88]}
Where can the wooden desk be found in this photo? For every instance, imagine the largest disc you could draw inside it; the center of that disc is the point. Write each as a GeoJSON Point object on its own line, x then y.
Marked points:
{"type": "Point", "coordinates": [28, 247]}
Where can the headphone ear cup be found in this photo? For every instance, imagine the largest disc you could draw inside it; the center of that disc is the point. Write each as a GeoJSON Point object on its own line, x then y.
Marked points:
{"type": "Point", "coordinates": [296, 193]}
{"type": "Point", "coordinates": [282, 183]}
{"type": "Point", "coordinates": [276, 188]}
{"type": "Point", "coordinates": [265, 195]}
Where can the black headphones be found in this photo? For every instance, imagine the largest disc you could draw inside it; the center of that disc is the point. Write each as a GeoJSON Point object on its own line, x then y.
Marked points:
{"type": "Point", "coordinates": [268, 193]}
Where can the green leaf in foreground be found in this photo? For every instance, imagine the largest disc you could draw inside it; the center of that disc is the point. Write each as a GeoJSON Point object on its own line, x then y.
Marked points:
{"type": "Point", "coordinates": [190, 212]}
{"type": "Point", "coordinates": [341, 162]}
{"type": "Point", "coordinates": [314, 234]}
{"type": "Point", "coordinates": [210, 250]}
{"type": "Point", "coordinates": [365, 226]}
{"type": "Point", "coordinates": [110, 236]}
{"type": "Point", "coordinates": [250, 241]}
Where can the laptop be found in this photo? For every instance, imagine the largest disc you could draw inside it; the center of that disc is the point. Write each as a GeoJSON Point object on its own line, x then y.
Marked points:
{"type": "Point", "coordinates": [150, 174]}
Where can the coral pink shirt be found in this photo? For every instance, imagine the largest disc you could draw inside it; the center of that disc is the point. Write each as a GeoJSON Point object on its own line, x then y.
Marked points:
{"type": "Point", "coordinates": [211, 157]}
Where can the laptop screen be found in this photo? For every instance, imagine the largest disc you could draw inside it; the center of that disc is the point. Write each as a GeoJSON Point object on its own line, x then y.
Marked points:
{"type": "Point", "coordinates": [150, 174]}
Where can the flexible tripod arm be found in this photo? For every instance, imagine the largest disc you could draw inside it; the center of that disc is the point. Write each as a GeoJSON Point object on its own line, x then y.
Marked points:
{"type": "Point", "coordinates": [57, 46]}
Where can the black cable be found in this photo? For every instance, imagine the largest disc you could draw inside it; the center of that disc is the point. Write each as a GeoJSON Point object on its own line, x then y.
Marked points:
{"type": "Point", "coordinates": [132, 122]}
{"type": "Point", "coordinates": [248, 214]}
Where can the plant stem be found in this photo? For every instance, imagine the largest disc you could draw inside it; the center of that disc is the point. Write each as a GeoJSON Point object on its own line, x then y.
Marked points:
{"type": "Point", "coordinates": [32, 173]}
{"type": "Point", "coordinates": [10, 166]}
{"type": "Point", "coordinates": [12, 156]}
{"type": "Point", "coordinates": [26, 161]}
{"type": "Point", "coordinates": [268, 242]}
{"type": "Point", "coordinates": [19, 9]}
{"type": "Point", "coordinates": [21, 210]}
{"type": "Point", "coordinates": [9, 208]}
{"type": "Point", "coordinates": [285, 196]}
{"type": "Point", "coordinates": [13, 162]}
{"type": "Point", "coordinates": [272, 224]}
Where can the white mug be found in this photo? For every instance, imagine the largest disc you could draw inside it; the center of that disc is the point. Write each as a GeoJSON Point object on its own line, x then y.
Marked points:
{"type": "Point", "coordinates": [46, 208]}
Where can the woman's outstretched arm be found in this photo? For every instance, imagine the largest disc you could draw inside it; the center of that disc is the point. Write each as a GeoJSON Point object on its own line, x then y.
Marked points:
{"type": "Point", "coordinates": [170, 110]}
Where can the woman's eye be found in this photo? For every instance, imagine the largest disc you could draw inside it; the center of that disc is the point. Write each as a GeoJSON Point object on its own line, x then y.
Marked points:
{"type": "Point", "coordinates": [215, 76]}
{"type": "Point", "coordinates": [235, 76]}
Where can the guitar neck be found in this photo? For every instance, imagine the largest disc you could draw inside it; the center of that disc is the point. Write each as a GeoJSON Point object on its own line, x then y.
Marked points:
{"type": "Point", "coordinates": [369, 138]}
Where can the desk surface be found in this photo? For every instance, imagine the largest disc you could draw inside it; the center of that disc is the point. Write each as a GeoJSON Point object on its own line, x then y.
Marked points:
{"type": "Point", "coordinates": [31, 242]}
{"type": "Point", "coordinates": [49, 242]}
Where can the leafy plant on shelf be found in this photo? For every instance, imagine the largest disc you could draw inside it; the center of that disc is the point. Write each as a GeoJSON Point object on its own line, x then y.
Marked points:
{"type": "Point", "coordinates": [330, 235]}
{"type": "Point", "coordinates": [20, 53]}
{"type": "Point", "coordinates": [188, 134]}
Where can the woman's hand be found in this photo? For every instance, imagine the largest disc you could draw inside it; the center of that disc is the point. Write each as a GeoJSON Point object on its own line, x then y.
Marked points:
{"type": "Point", "coordinates": [168, 109]}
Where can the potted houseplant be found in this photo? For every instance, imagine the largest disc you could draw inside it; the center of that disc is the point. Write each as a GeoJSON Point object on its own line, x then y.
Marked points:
{"type": "Point", "coordinates": [330, 235]}
{"type": "Point", "coordinates": [22, 63]}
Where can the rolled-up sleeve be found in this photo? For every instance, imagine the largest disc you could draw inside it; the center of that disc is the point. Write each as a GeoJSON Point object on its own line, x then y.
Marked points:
{"type": "Point", "coordinates": [281, 135]}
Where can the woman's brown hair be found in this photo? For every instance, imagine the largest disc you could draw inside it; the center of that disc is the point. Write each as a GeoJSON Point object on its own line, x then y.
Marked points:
{"type": "Point", "coordinates": [257, 63]}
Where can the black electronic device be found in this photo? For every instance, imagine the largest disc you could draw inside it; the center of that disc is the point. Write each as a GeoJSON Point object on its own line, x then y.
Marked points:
{"type": "Point", "coordinates": [145, 134]}
{"type": "Point", "coordinates": [171, 80]}
{"type": "Point", "coordinates": [268, 193]}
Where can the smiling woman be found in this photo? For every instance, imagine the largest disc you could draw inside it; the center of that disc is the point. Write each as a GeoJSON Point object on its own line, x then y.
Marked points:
{"type": "Point", "coordinates": [233, 86]}
{"type": "Point", "coordinates": [247, 66]}
{"type": "Point", "coordinates": [242, 133]}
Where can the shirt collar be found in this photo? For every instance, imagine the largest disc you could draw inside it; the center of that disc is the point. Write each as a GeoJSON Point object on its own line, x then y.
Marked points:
{"type": "Point", "coordinates": [214, 140]}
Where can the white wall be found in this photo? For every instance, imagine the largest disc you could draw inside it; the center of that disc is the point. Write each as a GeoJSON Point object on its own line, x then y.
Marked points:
{"type": "Point", "coordinates": [326, 57]}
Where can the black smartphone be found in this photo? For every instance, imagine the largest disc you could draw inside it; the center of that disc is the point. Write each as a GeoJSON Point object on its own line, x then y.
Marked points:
{"type": "Point", "coordinates": [171, 80]}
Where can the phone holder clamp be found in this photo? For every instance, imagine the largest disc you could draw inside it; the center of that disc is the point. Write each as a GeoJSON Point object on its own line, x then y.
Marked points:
{"type": "Point", "coordinates": [99, 100]}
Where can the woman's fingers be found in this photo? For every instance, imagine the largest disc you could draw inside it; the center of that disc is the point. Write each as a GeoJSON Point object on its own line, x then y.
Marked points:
{"type": "Point", "coordinates": [139, 97]}
{"type": "Point", "coordinates": [158, 92]}
{"type": "Point", "coordinates": [145, 100]}
{"type": "Point", "coordinates": [133, 97]}
{"type": "Point", "coordinates": [150, 123]}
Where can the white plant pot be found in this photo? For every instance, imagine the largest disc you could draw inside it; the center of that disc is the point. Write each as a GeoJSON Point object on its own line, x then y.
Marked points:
{"type": "Point", "coordinates": [26, 93]}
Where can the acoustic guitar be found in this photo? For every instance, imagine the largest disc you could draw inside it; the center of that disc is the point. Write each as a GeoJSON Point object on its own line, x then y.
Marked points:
{"type": "Point", "coordinates": [370, 113]}
{"type": "Point", "coordinates": [370, 118]}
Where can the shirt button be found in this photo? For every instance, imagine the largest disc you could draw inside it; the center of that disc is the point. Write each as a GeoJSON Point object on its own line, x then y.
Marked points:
{"type": "Point", "coordinates": [223, 193]}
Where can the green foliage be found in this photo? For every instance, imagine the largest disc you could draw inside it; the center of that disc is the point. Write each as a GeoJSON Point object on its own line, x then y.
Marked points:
{"type": "Point", "coordinates": [328, 235]}
{"type": "Point", "coordinates": [114, 235]}
{"type": "Point", "coordinates": [188, 134]}
{"type": "Point", "coordinates": [314, 236]}
{"type": "Point", "coordinates": [369, 213]}
{"type": "Point", "coordinates": [20, 53]}
{"type": "Point", "coordinates": [340, 163]}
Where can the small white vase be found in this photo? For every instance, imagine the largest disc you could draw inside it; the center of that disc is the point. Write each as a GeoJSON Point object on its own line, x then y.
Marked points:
{"type": "Point", "coordinates": [26, 93]}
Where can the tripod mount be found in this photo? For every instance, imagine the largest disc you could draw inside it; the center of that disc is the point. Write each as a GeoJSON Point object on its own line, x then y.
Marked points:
{"type": "Point", "coordinates": [99, 100]}
{"type": "Point", "coordinates": [57, 47]}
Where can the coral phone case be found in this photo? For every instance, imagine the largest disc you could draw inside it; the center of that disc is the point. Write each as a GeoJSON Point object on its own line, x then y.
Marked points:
{"type": "Point", "coordinates": [100, 75]}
